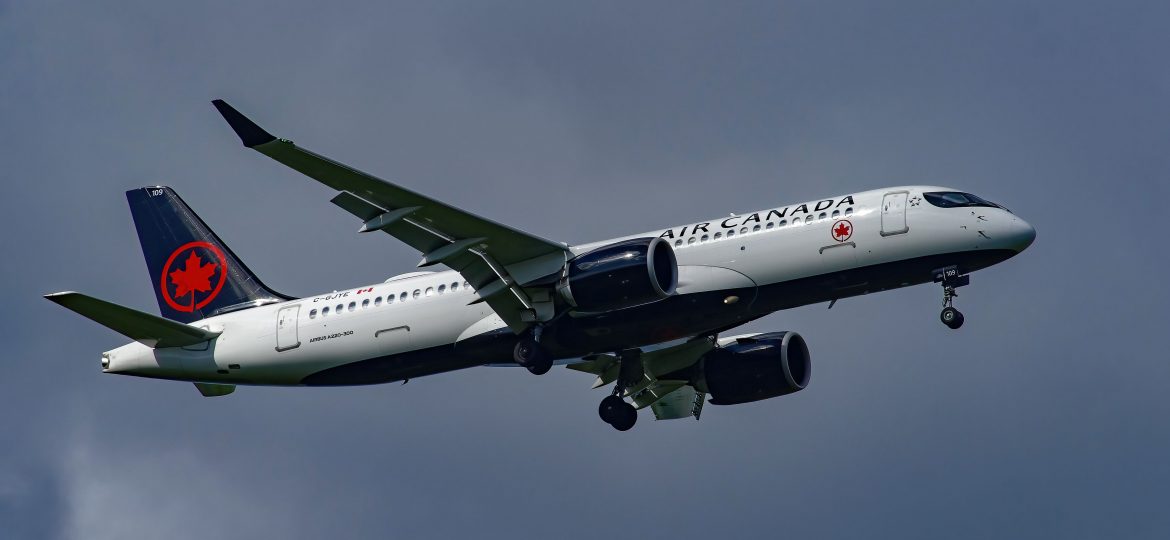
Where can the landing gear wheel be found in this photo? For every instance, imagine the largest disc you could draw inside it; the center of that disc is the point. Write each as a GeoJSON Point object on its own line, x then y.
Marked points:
{"type": "Point", "coordinates": [541, 367]}
{"type": "Point", "coordinates": [528, 353]}
{"type": "Point", "coordinates": [609, 408]}
{"type": "Point", "coordinates": [951, 317]}
{"type": "Point", "coordinates": [617, 413]}
{"type": "Point", "coordinates": [628, 416]}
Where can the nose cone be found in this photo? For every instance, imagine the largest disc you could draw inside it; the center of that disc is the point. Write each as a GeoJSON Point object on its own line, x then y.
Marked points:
{"type": "Point", "coordinates": [1022, 235]}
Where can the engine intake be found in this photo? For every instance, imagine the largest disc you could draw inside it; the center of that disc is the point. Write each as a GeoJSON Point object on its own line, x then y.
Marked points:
{"type": "Point", "coordinates": [620, 275]}
{"type": "Point", "coordinates": [757, 367]}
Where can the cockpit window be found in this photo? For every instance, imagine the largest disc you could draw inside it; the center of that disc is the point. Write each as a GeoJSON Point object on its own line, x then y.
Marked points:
{"type": "Point", "coordinates": [955, 199]}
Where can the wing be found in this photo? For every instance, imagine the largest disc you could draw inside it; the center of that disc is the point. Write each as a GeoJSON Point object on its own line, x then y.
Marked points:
{"type": "Point", "coordinates": [497, 260]}
{"type": "Point", "coordinates": [668, 398]}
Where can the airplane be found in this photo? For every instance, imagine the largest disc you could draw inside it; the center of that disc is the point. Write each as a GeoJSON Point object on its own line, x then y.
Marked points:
{"type": "Point", "coordinates": [645, 313]}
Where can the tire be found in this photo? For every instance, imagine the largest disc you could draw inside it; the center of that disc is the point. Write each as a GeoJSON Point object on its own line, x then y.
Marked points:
{"type": "Point", "coordinates": [540, 365]}
{"type": "Point", "coordinates": [525, 351]}
{"type": "Point", "coordinates": [529, 354]}
{"type": "Point", "coordinates": [627, 417]}
{"type": "Point", "coordinates": [951, 317]}
{"type": "Point", "coordinates": [610, 409]}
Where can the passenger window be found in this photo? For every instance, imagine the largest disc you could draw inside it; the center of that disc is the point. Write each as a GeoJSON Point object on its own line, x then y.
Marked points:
{"type": "Point", "coordinates": [466, 285]}
{"type": "Point", "coordinates": [836, 214]}
{"type": "Point", "coordinates": [402, 297]}
{"type": "Point", "coordinates": [389, 299]}
{"type": "Point", "coordinates": [325, 311]}
{"type": "Point", "coordinates": [313, 314]}
{"type": "Point", "coordinates": [718, 235]}
{"type": "Point", "coordinates": [678, 243]}
{"type": "Point", "coordinates": [442, 288]}
{"type": "Point", "coordinates": [454, 287]}
{"type": "Point", "coordinates": [783, 222]}
{"type": "Point", "coordinates": [417, 294]}
{"type": "Point", "coordinates": [730, 233]}
{"type": "Point", "coordinates": [378, 301]}
{"type": "Point", "coordinates": [690, 240]}
{"type": "Point", "coordinates": [848, 211]}
{"type": "Point", "coordinates": [430, 291]}
{"type": "Point", "coordinates": [743, 230]}
{"type": "Point", "coordinates": [704, 238]}
{"type": "Point", "coordinates": [365, 303]}
{"type": "Point", "coordinates": [771, 225]}
{"type": "Point", "coordinates": [821, 217]}
{"type": "Point", "coordinates": [808, 219]}
{"type": "Point", "coordinates": [337, 310]}
{"type": "Point", "coordinates": [756, 228]}
{"type": "Point", "coordinates": [352, 306]}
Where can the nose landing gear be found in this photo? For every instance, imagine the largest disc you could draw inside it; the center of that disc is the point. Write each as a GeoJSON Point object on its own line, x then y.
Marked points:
{"type": "Point", "coordinates": [950, 279]}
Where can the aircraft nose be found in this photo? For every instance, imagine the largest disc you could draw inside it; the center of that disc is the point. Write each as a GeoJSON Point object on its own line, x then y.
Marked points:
{"type": "Point", "coordinates": [1022, 234]}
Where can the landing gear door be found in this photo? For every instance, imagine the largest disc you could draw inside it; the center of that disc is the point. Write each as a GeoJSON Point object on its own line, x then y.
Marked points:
{"type": "Point", "coordinates": [286, 328]}
{"type": "Point", "coordinates": [894, 213]}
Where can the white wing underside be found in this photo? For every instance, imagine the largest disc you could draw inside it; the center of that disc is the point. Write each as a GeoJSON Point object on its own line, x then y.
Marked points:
{"type": "Point", "coordinates": [667, 398]}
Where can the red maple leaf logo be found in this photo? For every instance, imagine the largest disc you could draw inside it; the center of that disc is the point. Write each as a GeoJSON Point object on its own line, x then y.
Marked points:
{"type": "Point", "coordinates": [194, 277]}
{"type": "Point", "coordinates": [841, 231]}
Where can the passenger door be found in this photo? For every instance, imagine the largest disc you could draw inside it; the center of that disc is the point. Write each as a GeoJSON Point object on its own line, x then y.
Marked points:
{"type": "Point", "coordinates": [894, 213]}
{"type": "Point", "coordinates": [286, 328]}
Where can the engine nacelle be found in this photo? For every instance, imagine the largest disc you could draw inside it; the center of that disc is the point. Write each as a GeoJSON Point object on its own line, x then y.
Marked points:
{"type": "Point", "coordinates": [757, 367]}
{"type": "Point", "coordinates": [620, 275]}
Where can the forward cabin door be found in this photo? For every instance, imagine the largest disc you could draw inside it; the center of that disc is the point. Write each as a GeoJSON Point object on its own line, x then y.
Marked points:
{"type": "Point", "coordinates": [286, 328]}
{"type": "Point", "coordinates": [894, 213]}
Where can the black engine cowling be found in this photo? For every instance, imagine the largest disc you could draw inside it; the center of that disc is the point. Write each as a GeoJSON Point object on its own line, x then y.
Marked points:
{"type": "Point", "coordinates": [755, 368]}
{"type": "Point", "coordinates": [620, 275]}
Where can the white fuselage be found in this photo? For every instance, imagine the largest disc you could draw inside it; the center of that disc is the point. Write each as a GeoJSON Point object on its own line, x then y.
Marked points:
{"type": "Point", "coordinates": [281, 344]}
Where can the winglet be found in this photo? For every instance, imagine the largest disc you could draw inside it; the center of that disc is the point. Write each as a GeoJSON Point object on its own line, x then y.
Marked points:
{"type": "Point", "coordinates": [250, 133]}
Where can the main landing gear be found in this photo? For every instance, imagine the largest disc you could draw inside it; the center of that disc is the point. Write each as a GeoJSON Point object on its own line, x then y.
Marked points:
{"type": "Point", "coordinates": [950, 279]}
{"type": "Point", "coordinates": [529, 354]}
{"type": "Point", "coordinates": [613, 409]}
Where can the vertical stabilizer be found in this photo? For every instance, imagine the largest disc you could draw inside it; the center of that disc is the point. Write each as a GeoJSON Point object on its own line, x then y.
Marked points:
{"type": "Point", "coordinates": [193, 271]}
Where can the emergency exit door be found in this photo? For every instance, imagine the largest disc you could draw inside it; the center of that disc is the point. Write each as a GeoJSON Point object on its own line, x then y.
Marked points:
{"type": "Point", "coordinates": [894, 213]}
{"type": "Point", "coordinates": [286, 328]}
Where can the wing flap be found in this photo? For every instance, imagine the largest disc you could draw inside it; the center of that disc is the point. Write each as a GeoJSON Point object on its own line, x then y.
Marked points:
{"type": "Point", "coordinates": [681, 403]}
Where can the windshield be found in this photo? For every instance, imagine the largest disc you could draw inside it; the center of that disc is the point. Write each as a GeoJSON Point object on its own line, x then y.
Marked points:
{"type": "Point", "coordinates": [955, 199]}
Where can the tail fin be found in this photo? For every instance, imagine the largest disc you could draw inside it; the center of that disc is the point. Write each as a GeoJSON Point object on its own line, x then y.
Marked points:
{"type": "Point", "coordinates": [195, 274]}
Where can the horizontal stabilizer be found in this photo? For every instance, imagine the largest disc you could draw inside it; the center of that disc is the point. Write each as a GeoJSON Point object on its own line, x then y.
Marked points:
{"type": "Point", "coordinates": [150, 330]}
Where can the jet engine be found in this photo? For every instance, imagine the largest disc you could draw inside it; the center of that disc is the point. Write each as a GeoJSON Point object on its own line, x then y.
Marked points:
{"type": "Point", "coordinates": [756, 367]}
{"type": "Point", "coordinates": [620, 275]}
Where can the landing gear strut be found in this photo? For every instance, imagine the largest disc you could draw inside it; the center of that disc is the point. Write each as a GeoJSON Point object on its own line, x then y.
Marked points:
{"type": "Point", "coordinates": [950, 279]}
{"type": "Point", "coordinates": [613, 409]}
{"type": "Point", "coordinates": [529, 354]}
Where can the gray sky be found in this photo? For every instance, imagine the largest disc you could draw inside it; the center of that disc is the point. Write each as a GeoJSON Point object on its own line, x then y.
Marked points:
{"type": "Point", "coordinates": [1045, 416]}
